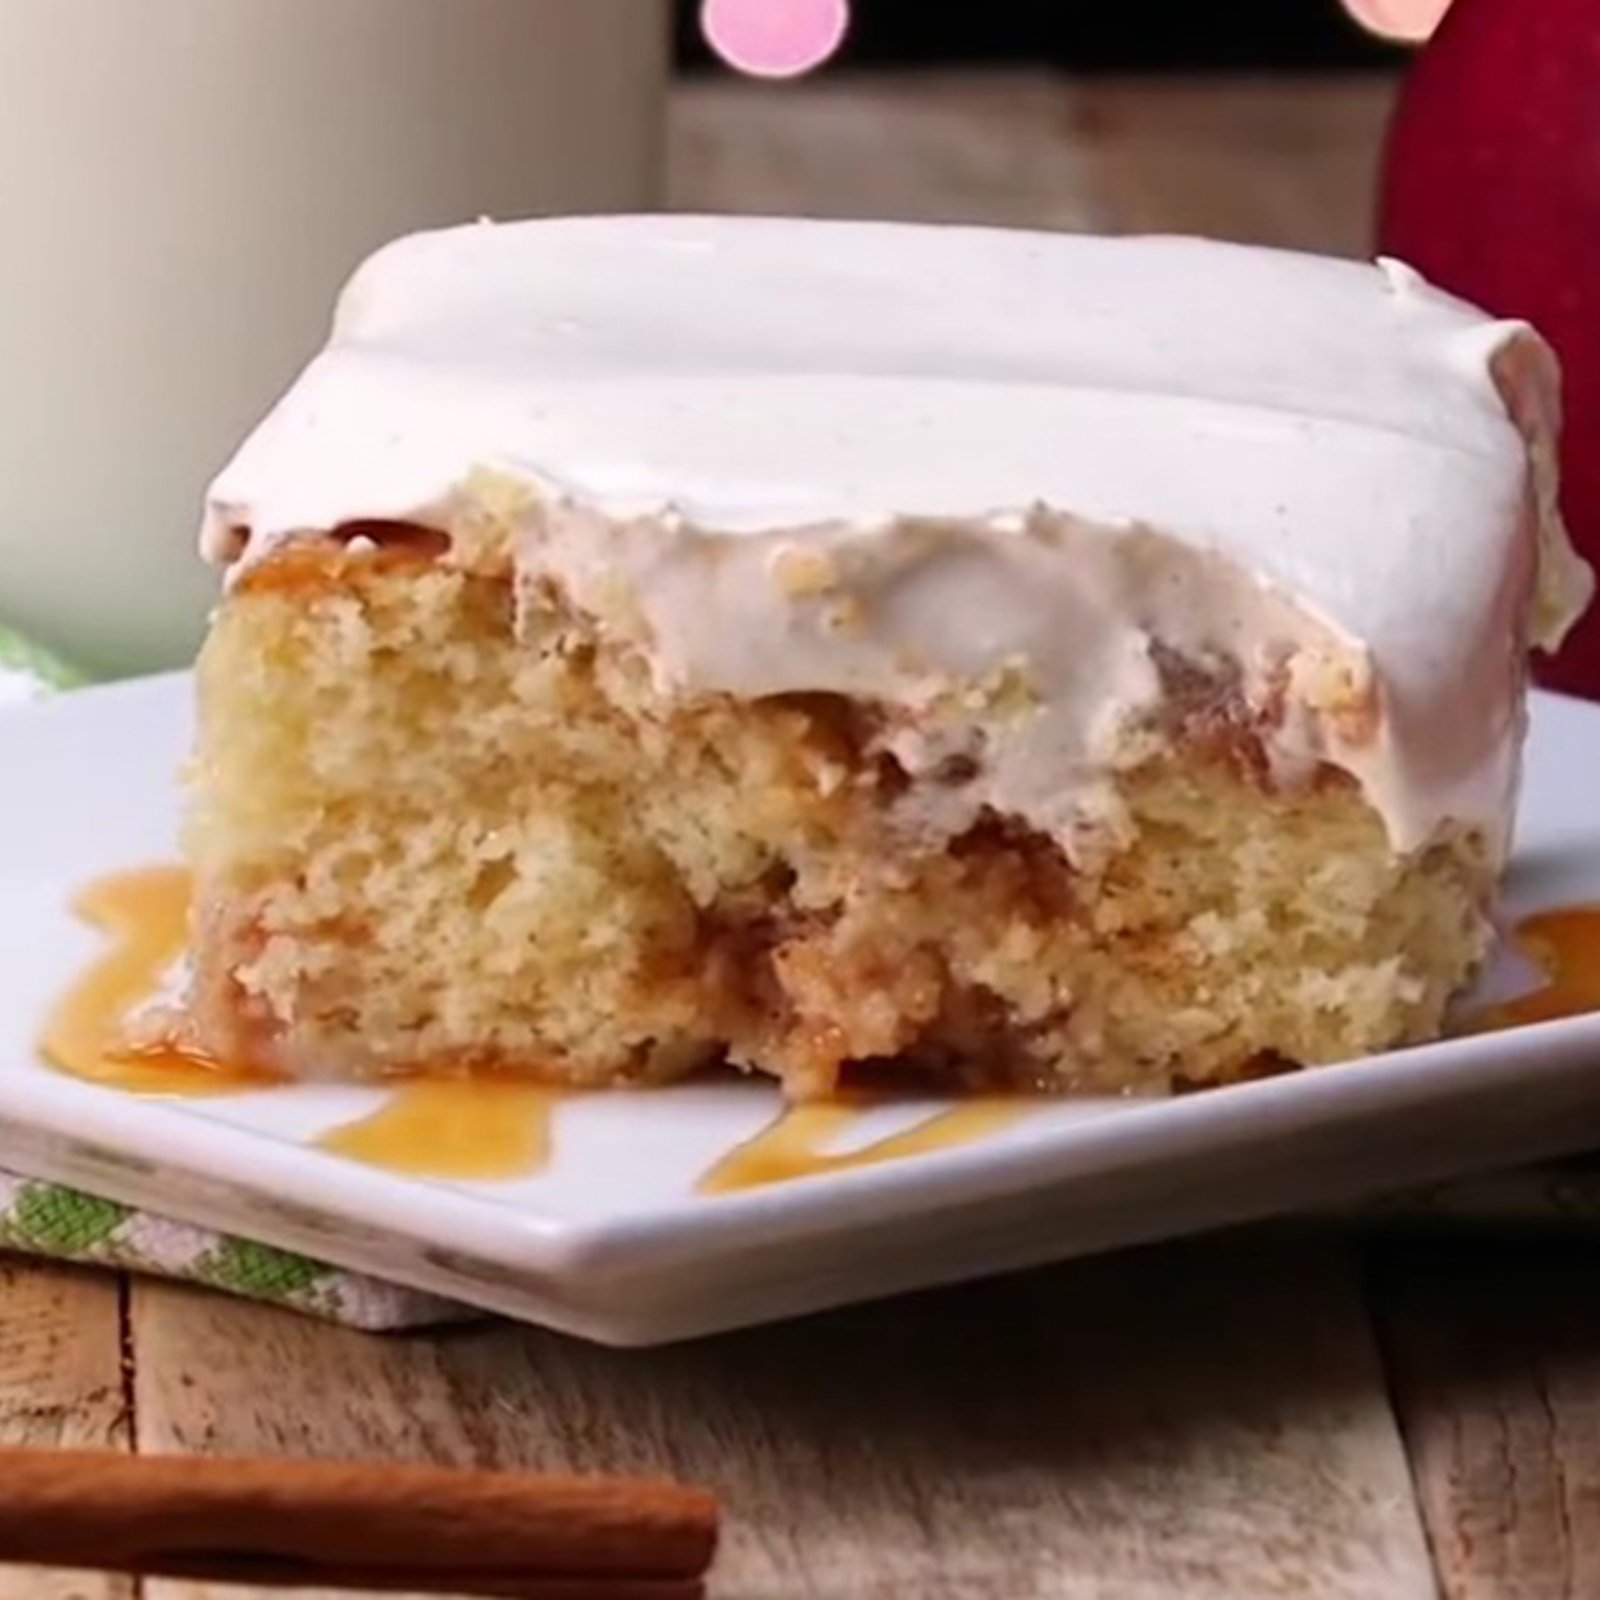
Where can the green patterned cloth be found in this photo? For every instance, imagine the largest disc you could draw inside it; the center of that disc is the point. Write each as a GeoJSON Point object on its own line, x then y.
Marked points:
{"type": "Point", "coordinates": [47, 1219]}
{"type": "Point", "coordinates": [29, 670]}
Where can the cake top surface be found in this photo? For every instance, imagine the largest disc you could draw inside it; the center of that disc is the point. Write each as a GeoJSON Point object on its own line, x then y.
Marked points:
{"type": "Point", "coordinates": [1336, 426]}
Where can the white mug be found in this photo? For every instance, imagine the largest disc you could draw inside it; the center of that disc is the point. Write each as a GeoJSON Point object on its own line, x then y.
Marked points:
{"type": "Point", "coordinates": [187, 183]}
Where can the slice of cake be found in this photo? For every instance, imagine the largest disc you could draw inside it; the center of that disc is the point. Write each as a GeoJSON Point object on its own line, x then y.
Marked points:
{"type": "Point", "coordinates": [1015, 659]}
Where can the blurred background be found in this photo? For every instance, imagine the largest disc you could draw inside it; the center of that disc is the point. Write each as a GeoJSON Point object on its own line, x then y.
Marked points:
{"type": "Point", "coordinates": [1090, 35]}
{"type": "Point", "coordinates": [1259, 120]}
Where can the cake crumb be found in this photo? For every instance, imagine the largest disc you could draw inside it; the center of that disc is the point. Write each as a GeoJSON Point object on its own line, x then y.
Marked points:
{"type": "Point", "coordinates": [1342, 690]}
{"type": "Point", "coordinates": [847, 616]}
{"type": "Point", "coordinates": [802, 573]}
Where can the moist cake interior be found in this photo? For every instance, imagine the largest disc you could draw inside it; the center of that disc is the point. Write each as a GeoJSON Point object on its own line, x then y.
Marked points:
{"type": "Point", "coordinates": [442, 825]}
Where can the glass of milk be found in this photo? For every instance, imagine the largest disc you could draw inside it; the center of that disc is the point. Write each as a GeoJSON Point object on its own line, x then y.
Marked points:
{"type": "Point", "coordinates": [187, 183]}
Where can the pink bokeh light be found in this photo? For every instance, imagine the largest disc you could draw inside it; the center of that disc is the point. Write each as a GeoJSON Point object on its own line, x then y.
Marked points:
{"type": "Point", "coordinates": [775, 38]}
{"type": "Point", "coordinates": [1409, 21]}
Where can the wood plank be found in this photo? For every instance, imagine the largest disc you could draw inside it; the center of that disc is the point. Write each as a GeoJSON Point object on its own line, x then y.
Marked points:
{"type": "Point", "coordinates": [969, 147]}
{"type": "Point", "coordinates": [1493, 1348]}
{"type": "Point", "coordinates": [222, 1376]}
{"type": "Point", "coordinates": [61, 1384]}
{"type": "Point", "coordinates": [1283, 161]}
{"type": "Point", "coordinates": [1207, 1420]}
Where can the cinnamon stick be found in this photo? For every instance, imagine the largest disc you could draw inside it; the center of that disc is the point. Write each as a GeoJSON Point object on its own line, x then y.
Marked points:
{"type": "Point", "coordinates": [356, 1525]}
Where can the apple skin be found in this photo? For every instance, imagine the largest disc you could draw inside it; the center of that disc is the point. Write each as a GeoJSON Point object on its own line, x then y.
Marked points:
{"type": "Point", "coordinates": [1492, 190]}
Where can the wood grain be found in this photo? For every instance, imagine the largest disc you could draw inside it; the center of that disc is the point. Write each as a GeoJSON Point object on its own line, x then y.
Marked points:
{"type": "Point", "coordinates": [1289, 162]}
{"type": "Point", "coordinates": [222, 1376]}
{"type": "Point", "coordinates": [1208, 1421]}
{"type": "Point", "coordinates": [995, 148]}
{"type": "Point", "coordinates": [61, 1383]}
{"type": "Point", "coordinates": [1494, 1353]}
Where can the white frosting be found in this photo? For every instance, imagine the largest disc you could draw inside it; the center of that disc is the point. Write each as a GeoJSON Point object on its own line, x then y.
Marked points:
{"type": "Point", "coordinates": [893, 460]}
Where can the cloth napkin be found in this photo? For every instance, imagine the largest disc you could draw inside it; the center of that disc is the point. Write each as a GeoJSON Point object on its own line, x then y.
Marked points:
{"type": "Point", "coordinates": [48, 1219]}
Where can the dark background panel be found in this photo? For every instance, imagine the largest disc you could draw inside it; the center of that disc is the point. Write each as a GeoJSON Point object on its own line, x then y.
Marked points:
{"type": "Point", "coordinates": [1092, 35]}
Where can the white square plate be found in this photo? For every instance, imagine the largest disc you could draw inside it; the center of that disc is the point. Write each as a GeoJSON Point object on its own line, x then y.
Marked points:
{"type": "Point", "coordinates": [611, 1240]}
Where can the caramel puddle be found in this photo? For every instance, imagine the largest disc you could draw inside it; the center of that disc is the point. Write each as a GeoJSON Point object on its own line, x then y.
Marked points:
{"type": "Point", "coordinates": [461, 1128]}
{"type": "Point", "coordinates": [795, 1144]}
{"type": "Point", "coordinates": [1565, 946]}
{"type": "Point", "coordinates": [144, 914]}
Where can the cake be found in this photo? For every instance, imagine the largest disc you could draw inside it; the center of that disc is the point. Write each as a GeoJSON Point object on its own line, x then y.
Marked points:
{"type": "Point", "coordinates": [976, 658]}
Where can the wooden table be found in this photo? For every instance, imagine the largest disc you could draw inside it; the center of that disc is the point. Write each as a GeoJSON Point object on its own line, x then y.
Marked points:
{"type": "Point", "coordinates": [1281, 1412]}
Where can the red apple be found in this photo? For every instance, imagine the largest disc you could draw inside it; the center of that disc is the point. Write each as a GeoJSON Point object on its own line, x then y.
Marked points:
{"type": "Point", "coordinates": [1492, 190]}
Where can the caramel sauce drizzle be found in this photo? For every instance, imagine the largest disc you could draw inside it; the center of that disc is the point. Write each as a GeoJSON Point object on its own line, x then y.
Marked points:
{"type": "Point", "coordinates": [795, 1144]}
{"type": "Point", "coordinates": [145, 915]}
{"type": "Point", "coordinates": [1565, 946]}
{"type": "Point", "coordinates": [463, 1128]}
